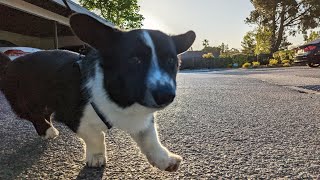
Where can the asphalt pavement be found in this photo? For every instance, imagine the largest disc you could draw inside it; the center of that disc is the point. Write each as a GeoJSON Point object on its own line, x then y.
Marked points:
{"type": "Point", "coordinates": [257, 123]}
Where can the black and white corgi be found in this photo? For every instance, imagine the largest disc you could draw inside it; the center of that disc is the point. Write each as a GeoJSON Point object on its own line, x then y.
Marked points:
{"type": "Point", "coordinates": [126, 77]}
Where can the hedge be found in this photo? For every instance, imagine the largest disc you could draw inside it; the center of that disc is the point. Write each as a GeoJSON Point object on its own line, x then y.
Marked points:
{"type": "Point", "coordinates": [206, 63]}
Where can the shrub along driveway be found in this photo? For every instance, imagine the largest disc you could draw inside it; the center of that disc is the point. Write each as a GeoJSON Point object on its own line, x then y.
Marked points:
{"type": "Point", "coordinates": [229, 123]}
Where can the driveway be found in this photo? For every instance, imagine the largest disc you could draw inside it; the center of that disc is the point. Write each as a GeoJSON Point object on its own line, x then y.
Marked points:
{"type": "Point", "coordinates": [226, 123]}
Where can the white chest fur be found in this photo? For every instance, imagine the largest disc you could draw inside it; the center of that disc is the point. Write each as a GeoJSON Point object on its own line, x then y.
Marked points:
{"type": "Point", "coordinates": [131, 119]}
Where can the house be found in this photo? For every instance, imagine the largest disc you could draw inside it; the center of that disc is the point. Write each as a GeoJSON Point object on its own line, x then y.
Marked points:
{"type": "Point", "coordinates": [191, 55]}
{"type": "Point", "coordinates": [40, 24]}
{"type": "Point", "coordinates": [190, 59]}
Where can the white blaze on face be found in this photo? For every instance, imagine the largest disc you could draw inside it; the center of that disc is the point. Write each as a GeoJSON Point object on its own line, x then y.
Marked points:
{"type": "Point", "coordinates": [155, 75]}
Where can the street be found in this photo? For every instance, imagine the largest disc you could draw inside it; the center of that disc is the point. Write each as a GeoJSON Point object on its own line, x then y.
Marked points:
{"type": "Point", "coordinates": [256, 123]}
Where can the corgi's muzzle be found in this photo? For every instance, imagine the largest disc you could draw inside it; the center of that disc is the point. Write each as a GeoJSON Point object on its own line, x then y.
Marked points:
{"type": "Point", "coordinates": [159, 97]}
{"type": "Point", "coordinates": [163, 95]}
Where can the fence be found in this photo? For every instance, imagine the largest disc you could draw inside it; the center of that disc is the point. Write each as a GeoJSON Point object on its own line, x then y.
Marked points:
{"type": "Point", "coordinates": [203, 63]}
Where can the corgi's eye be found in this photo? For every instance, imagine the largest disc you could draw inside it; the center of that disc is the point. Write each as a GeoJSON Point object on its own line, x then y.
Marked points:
{"type": "Point", "coordinates": [135, 60]}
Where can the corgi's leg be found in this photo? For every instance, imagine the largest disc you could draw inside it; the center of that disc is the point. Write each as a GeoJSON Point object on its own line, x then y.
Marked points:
{"type": "Point", "coordinates": [91, 131]}
{"type": "Point", "coordinates": [155, 152]}
{"type": "Point", "coordinates": [95, 147]}
{"type": "Point", "coordinates": [43, 127]}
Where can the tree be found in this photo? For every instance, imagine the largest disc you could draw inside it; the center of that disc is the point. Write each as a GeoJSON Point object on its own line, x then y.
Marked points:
{"type": "Point", "coordinates": [229, 52]}
{"type": "Point", "coordinates": [284, 17]}
{"type": "Point", "coordinates": [263, 45]}
{"type": "Point", "coordinates": [224, 47]}
{"type": "Point", "coordinates": [234, 51]}
{"type": "Point", "coordinates": [249, 43]}
{"type": "Point", "coordinates": [214, 50]}
{"type": "Point", "coordinates": [123, 13]}
{"type": "Point", "coordinates": [313, 36]}
{"type": "Point", "coordinates": [205, 43]}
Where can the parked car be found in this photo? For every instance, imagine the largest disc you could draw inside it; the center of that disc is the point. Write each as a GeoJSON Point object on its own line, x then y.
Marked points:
{"type": "Point", "coordinates": [13, 51]}
{"type": "Point", "coordinates": [309, 54]}
{"type": "Point", "coordinates": [82, 49]}
{"type": "Point", "coordinates": [4, 43]}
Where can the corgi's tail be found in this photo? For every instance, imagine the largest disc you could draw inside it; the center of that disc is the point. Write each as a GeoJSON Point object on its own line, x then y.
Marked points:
{"type": "Point", "coordinates": [4, 61]}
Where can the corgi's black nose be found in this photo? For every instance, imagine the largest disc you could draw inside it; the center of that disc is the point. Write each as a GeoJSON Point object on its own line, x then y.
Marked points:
{"type": "Point", "coordinates": [164, 95]}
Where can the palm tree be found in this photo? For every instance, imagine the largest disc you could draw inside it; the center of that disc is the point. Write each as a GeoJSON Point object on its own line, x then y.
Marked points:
{"type": "Point", "coordinates": [205, 43]}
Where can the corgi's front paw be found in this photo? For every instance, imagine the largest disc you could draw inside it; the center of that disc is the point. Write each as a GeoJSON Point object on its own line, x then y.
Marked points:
{"type": "Point", "coordinates": [174, 163]}
{"type": "Point", "coordinates": [165, 160]}
{"type": "Point", "coordinates": [95, 160]}
{"type": "Point", "coordinates": [51, 133]}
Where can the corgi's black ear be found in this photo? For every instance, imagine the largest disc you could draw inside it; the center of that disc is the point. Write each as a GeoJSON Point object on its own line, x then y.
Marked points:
{"type": "Point", "coordinates": [184, 41]}
{"type": "Point", "coordinates": [92, 31]}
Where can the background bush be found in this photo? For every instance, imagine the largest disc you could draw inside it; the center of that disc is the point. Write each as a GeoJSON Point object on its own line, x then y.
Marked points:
{"type": "Point", "coordinates": [285, 61]}
{"type": "Point", "coordinates": [264, 58]}
{"type": "Point", "coordinates": [273, 62]}
{"type": "Point", "coordinates": [284, 55]}
{"type": "Point", "coordinates": [206, 63]}
{"type": "Point", "coordinates": [255, 64]}
{"type": "Point", "coordinates": [286, 65]}
{"type": "Point", "coordinates": [246, 65]}
{"type": "Point", "coordinates": [239, 59]}
{"type": "Point", "coordinates": [209, 61]}
{"type": "Point", "coordinates": [207, 56]}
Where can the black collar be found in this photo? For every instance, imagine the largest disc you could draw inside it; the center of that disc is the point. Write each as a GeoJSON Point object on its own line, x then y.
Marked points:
{"type": "Point", "coordinates": [101, 116]}
{"type": "Point", "coordinates": [94, 106]}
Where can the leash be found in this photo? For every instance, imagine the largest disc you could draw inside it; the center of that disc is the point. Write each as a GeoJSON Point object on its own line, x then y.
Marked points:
{"type": "Point", "coordinates": [101, 116]}
{"type": "Point", "coordinates": [94, 106]}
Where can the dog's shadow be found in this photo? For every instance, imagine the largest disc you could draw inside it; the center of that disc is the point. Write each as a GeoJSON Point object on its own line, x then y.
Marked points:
{"type": "Point", "coordinates": [22, 158]}
{"type": "Point", "coordinates": [91, 173]}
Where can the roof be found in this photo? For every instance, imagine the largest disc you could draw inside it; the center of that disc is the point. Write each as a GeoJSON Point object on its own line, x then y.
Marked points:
{"type": "Point", "coordinates": [23, 23]}
{"type": "Point", "coordinates": [191, 55]}
{"type": "Point", "coordinates": [315, 42]}
{"type": "Point", "coordinates": [36, 17]}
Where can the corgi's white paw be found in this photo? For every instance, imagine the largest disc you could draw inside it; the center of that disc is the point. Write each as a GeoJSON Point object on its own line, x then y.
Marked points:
{"type": "Point", "coordinates": [165, 160]}
{"type": "Point", "coordinates": [95, 160]}
{"type": "Point", "coordinates": [51, 133]}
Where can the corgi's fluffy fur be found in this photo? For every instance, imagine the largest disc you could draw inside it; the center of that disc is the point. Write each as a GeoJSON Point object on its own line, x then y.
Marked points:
{"type": "Point", "coordinates": [127, 75]}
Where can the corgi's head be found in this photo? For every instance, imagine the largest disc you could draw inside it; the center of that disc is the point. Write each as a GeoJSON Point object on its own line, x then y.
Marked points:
{"type": "Point", "coordinates": [139, 66]}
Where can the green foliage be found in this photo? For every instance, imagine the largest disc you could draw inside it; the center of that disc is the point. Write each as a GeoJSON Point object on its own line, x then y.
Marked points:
{"type": "Point", "coordinates": [255, 64]}
{"type": "Point", "coordinates": [284, 55]}
{"type": "Point", "coordinates": [286, 65]}
{"type": "Point", "coordinates": [246, 65]}
{"type": "Point", "coordinates": [207, 56]}
{"type": "Point", "coordinates": [312, 36]}
{"type": "Point", "coordinates": [285, 62]}
{"type": "Point", "coordinates": [249, 43]}
{"type": "Point", "coordinates": [263, 45]}
{"type": "Point", "coordinates": [123, 13]}
{"type": "Point", "coordinates": [273, 62]}
{"type": "Point", "coordinates": [214, 50]}
{"type": "Point", "coordinates": [284, 17]}
{"type": "Point", "coordinates": [229, 52]}
{"type": "Point", "coordinates": [277, 56]}
{"type": "Point", "coordinates": [229, 65]}
{"type": "Point", "coordinates": [205, 43]}
{"type": "Point", "coordinates": [239, 59]}
{"type": "Point", "coordinates": [224, 48]}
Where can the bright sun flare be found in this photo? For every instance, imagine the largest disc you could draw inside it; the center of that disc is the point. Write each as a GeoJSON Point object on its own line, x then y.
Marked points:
{"type": "Point", "coordinates": [151, 22]}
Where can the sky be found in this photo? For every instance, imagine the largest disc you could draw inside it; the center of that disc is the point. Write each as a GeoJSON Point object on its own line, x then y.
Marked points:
{"type": "Point", "coordinates": [219, 21]}
{"type": "Point", "coordinates": [216, 20]}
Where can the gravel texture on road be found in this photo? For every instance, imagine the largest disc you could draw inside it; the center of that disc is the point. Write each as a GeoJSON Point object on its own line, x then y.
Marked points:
{"type": "Point", "coordinates": [224, 124]}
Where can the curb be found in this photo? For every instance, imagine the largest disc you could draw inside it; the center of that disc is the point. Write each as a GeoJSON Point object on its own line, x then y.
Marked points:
{"type": "Point", "coordinates": [302, 90]}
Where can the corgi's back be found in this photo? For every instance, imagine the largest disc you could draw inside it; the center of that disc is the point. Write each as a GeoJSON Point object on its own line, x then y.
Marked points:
{"type": "Point", "coordinates": [38, 84]}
